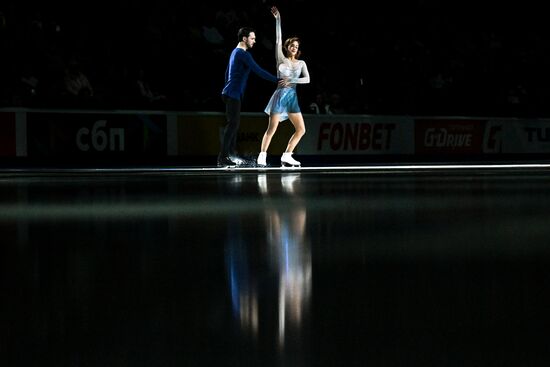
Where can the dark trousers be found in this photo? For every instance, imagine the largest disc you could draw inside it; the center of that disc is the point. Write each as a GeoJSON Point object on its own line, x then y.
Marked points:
{"type": "Point", "coordinates": [228, 141]}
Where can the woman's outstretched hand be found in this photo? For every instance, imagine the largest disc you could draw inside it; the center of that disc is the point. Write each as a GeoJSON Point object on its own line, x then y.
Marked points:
{"type": "Point", "coordinates": [275, 12]}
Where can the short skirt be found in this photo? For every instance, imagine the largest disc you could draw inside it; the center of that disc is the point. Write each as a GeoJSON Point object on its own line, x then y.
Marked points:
{"type": "Point", "coordinates": [283, 101]}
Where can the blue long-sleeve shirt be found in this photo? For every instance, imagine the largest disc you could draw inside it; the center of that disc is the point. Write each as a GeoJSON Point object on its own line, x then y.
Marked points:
{"type": "Point", "coordinates": [238, 70]}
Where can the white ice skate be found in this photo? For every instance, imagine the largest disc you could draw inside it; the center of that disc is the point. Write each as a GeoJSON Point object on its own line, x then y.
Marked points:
{"type": "Point", "coordinates": [288, 161]}
{"type": "Point", "coordinates": [262, 159]}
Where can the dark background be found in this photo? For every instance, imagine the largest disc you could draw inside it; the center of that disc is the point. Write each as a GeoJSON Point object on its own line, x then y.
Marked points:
{"type": "Point", "coordinates": [421, 57]}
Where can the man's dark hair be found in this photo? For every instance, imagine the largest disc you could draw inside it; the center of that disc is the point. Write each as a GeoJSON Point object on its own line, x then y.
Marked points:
{"type": "Point", "coordinates": [244, 32]}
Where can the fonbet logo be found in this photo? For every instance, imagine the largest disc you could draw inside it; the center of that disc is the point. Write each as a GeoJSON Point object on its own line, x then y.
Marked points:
{"type": "Point", "coordinates": [355, 136]}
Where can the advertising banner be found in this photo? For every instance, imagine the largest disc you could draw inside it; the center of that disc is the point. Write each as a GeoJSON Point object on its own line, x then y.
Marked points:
{"type": "Point", "coordinates": [527, 136]}
{"type": "Point", "coordinates": [449, 136]}
{"type": "Point", "coordinates": [7, 134]}
{"type": "Point", "coordinates": [348, 134]}
{"type": "Point", "coordinates": [95, 134]}
{"type": "Point", "coordinates": [200, 134]}
{"type": "Point", "coordinates": [73, 135]}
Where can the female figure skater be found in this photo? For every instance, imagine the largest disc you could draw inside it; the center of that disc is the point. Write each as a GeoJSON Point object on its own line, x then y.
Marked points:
{"type": "Point", "coordinates": [284, 101]}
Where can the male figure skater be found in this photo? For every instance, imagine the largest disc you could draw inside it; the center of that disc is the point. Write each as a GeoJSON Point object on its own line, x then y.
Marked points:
{"type": "Point", "coordinates": [240, 64]}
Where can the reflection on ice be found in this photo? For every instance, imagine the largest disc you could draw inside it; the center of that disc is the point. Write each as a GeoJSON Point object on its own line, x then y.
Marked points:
{"type": "Point", "coordinates": [270, 278]}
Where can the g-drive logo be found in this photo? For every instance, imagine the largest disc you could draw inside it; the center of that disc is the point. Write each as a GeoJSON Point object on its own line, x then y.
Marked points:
{"type": "Point", "coordinates": [442, 138]}
{"type": "Point", "coordinates": [449, 136]}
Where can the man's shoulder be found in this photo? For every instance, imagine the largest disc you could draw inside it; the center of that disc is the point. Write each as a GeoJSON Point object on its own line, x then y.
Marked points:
{"type": "Point", "coordinates": [239, 51]}
{"type": "Point", "coordinates": [243, 56]}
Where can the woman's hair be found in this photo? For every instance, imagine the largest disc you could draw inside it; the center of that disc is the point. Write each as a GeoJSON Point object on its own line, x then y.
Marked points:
{"type": "Point", "coordinates": [288, 42]}
{"type": "Point", "coordinates": [245, 32]}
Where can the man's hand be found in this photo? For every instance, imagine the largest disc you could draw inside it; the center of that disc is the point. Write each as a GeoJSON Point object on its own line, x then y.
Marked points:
{"type": "Point", "coordinates": [283, 82]}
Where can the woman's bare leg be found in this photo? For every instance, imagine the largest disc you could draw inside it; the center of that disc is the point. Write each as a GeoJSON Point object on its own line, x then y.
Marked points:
{"type": "Point", "coordinates": [271, 128]}
{"type": "Point", "coordinates": [300, 129]}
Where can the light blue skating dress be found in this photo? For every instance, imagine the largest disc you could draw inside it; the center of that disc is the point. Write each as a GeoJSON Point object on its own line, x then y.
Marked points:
{"type": "Point", "coordinates": [285, 100]}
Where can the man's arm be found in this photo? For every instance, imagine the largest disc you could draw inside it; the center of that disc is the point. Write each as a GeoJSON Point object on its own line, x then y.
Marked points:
{"type": "Point", "coordinates": [257, 69]}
